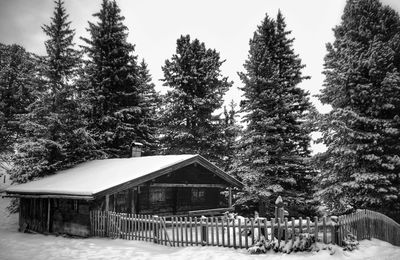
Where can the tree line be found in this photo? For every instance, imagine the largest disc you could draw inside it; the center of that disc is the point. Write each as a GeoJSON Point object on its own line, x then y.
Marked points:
{"type": "Point", "coordinates": [78, 104]}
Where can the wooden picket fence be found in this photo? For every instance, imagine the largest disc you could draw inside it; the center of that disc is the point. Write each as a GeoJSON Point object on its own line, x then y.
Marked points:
{"type": "Point", "coordinates": [210, 231]}
{"type": "Point", "coordinates": [367, 224]}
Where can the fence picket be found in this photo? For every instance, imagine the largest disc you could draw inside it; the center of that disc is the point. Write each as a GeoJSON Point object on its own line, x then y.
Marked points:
{"type": "Point", "coordinates": [228, 234]}
{"type": "Point", "coordinates": [234, 234]}
{"type": "Point", "coordinates": [246, 235]}
{"type": "Point", "coordinates": [286, 231]}
{"type": "Point", "coordinates": [191, 231]}
{"type": "Point", "coordinates": [196, 230]}
{"type": "Point", "coordinates": [324, 230]}
{"type": "Point", "coordinates": [240, 233]}
{"type": "Point", "coordinates": [212, 230]}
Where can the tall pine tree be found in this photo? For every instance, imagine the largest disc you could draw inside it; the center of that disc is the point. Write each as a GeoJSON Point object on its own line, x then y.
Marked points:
{"type": "Point", "coordinates": [53, 137]}
{"type": "Point", "coordinates": [274, 148]}
{"type": "Point", "coordinates": [18, 80]}
{"type": "Point", "coordinates": [114, 92]}
{"type": "Point", "coordinates": [196, 89]}
{"type": "Point", "coordinates": [150, 102]}
{"type": "Point", "coordinates": [362, 132]}
{"type": "Point", "coordinates": [231, 131]}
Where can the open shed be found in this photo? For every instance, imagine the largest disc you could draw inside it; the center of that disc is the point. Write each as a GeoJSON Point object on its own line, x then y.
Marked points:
{"type": "Point", "coordinates": [162, 185]}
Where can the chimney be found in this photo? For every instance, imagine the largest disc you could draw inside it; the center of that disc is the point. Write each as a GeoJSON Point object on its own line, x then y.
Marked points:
{"type": "Point", "coordinates": [136, 149]}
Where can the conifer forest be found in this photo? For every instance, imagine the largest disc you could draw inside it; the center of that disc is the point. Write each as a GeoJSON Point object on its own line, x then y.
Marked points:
{"type": "Point", "coordinates": [92, 100]}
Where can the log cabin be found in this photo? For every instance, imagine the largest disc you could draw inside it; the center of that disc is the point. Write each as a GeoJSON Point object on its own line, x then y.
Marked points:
{"type": "Point", "coordinates": [155, 185]}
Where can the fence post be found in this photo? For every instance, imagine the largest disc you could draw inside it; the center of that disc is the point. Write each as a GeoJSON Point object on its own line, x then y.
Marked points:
{"type": "Point", "coordinates": [203, 230]}
{"type": "Point", "coordinates": [155, 230]}
{"type": "Point", "coordinates": [334, 230]}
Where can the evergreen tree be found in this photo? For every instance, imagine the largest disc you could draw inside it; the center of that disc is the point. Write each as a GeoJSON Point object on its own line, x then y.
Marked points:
{"type": "Point", "coordinates": [274, 148]}
{"type": "Point", "coordinates": [114, 92]}
{"type": "Point", "coordinates": [196, 90]}
{"type": "Point", "coordinates": [17, 81]}
{"type": "Point", "coordinates": [149, 104]}
{"type": "Point", "coordinates": [54, 137]}
{"type": "Point", "coordinates": [230, 131]}
{"type": "Point", "coordinates": [362, 132]}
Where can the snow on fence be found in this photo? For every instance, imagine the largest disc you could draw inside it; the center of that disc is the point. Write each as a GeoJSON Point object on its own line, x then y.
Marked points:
{"type": "Point", "coordinates": [210, 231]}
{"type": "Point", "coordinates": [367, 224]}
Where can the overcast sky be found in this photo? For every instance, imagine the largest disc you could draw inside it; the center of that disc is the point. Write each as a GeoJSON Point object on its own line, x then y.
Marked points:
{"type": "Point", "coordinates": [224, 25]}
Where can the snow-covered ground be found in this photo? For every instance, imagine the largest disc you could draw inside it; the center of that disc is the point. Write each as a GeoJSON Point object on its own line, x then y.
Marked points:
{"type": "Point", "coordinates": [19, 246]}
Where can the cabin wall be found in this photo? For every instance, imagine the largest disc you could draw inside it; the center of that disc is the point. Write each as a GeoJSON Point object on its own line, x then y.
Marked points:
{"type": "Point", "coordinates": [67, 216]}
{"type": "Point", "coordinates": [70, 217]}
{"type": "Point", "coordinates": [154, 197]}
{"type": "Point", "coordinates": [33, 214]}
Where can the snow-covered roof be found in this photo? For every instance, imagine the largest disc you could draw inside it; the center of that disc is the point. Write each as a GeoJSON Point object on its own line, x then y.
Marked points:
{"type": "Point", "coordinates": [92, 177]}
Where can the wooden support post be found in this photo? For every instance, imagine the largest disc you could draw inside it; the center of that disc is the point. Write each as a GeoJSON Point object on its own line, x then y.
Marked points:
{"type": "Point", "coordinates": [48, 214]}
{"type": "Point", "coordinates": [230, 197]}
{"type": "Point", "coordinates": [107, 208]}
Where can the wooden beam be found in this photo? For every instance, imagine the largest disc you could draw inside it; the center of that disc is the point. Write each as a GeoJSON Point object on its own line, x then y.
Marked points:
{"type": "Point", "coordinates": [230, 197]}
{"type": "Point", "coordinates": [48, 214]}
{"type": "Point", "coordinates": [184, 185]}
{"type": "Point", "coordinates": [107, 208]}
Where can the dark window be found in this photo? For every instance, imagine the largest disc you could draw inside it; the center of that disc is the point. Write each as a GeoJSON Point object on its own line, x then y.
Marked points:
{"type": "Point", "coordinates": [198, 195]}
{"type": "Point", "coordinates": [157, 195]}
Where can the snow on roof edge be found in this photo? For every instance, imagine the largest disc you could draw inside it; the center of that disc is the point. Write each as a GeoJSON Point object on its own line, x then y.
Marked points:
{"type": "Point", "coordinates": [31, 187]}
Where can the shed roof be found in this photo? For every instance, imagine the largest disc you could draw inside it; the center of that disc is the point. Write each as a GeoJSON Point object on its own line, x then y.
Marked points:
{"type": "Point", "coordinates": [94, 177]}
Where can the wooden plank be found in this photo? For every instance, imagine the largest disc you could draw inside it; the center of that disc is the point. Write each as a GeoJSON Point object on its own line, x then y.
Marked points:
{"type": "Point", "coordinates": [173, 230]}
{"type": "Point", "coordinates": [228, 234]}
{"type": "Point", "coordinates": [191, 230]}
{"type": "Point", "coordinates": [208, 211]}
{"type": "Point", "coordinates": [272, 229]}
{"type": "Point", "coordinates": [189, 185]}
{"type": "Point", "coordinates": [212, 231]}
{"type": "Point", "coordinates": [286, 231]}
{"type": "Point", "coordinates": [324, 230]}
{"type": "Point", "coordinates": [293, 229]}
{"type": "Point", "coordinates": [196, 225]}
{"type": "Point", "coordinates": [240, 231]}
{"type": "Point", "coordinates": [230, 196]}
{"type": "Point", "coordinates": [223, 232]}
{"type": "Point", "coordinates": [217, 230]}
{"type": "Point", "coordinates": [300, 225]}
{"type": "Point", "coordinates": [207, 233]}
{"type": "Point", "coordinates": [181, 224]}
{"type": "Point", "coordinates": [308, 225]}
{"type": "Point", "coordinates": [48, 214]}
{"type": "Point", "coordinates": [186, 232]}
{"type": "Point", "coordinates": [259, 229]}
{"type": "Point", "coordinates": [265, 228]}
{"type": "Point", "coordinates": [252, 230]}
{"type": "Point", "coordinates": [316, 228]}
{"type": "Point", "coordinates": [234, 234]}
{"type": "Point", "coordinates": [279, 231]}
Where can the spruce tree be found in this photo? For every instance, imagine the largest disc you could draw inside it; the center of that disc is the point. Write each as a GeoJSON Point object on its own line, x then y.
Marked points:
{"type": "Point", "coordinates": [54, 137]}
{"type": "Point", "coordinates": [231, 131]}
{"type": "Point", "coordinates": [274, 149]}
{"type": "Point", "coordinates": [17, 82]}
{"type": "Point", "coordinates": [196, 88]}
{"type": "Point", "coordinates": [150, 101]}
{"type": "Point", "coordinates": [113, 93]}
{"type": "Point", "coordinates": [362, 132]}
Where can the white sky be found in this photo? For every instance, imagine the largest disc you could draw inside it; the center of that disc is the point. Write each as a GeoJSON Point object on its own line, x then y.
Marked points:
{"type": "Point", "coordinates": [155, 25]}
